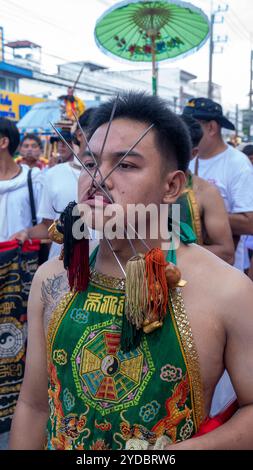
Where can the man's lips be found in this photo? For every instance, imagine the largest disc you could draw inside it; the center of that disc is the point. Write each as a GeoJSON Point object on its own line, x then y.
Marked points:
{"type": "Point", "coordinates": [97, 199]}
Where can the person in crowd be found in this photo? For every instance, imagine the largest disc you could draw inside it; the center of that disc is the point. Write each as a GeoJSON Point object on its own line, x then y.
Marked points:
{"type": "Point", "coordinates": [31, 152]}
{"type": "Point", "coordinates": [125, 367]}
{"type": "Point", "coordinates": [16, 268]}
{"type": "Point", "coordinates": [248, 150]}
{"type": "Point", "coordinates": [225, 167]}
{"type": "Point", "coordinates": [202, 206]}
{"type": "Point", "coordinates": [15, 203]}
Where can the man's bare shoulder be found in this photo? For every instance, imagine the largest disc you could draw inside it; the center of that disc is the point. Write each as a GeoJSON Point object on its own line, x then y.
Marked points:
{"type": "Point", "coordinates": [202, 186]}
{"type": "Point", "coordinates": [51, 266]}
{"type": "Point", "coordinates": [213, 278]}
{"type": "Point", "coordinates": [206, 262]}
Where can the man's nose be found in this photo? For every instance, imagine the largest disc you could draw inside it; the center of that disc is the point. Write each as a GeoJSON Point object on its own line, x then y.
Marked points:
{"type": "Point", "coordinates": [101, 175]}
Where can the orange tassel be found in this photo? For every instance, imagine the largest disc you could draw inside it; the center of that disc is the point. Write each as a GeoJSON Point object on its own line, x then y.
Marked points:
{"type": "Point", "coordinates": [157, 284]}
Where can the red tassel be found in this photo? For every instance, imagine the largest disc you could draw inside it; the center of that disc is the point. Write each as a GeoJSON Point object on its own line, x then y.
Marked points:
{"type": "Point", "coordinates": [157, 283]}
{"type": "Point", "coordinates": [78, 272]}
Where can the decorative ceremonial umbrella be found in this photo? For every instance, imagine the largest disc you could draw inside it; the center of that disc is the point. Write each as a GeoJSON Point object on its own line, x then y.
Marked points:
{"type": "Point", "coordinates": [151, 31]}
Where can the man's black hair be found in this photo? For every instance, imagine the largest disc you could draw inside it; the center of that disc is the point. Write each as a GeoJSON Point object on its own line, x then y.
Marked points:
{"type": "Point", "coordinates": [84, 121]}
{"type": "Point", "coordinates": [248, 150]}
{"type": "Point", "coordinates": [172, 137]}
{"type": "Point", "coordinates": [32, 137]}
{"type": "Point", "coordinates": [85, 118]}
{"type": "Point", "coordinates": [66, 134]}
{"type": "Point", "coordinates": [194, 128]}
{"type": "Point", "coordinates": [9, 129]}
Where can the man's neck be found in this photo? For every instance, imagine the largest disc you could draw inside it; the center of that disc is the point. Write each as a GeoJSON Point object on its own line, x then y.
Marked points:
{"type": "Point", "coordinates": [8, 167]}
{"type": "Point", "coordinates": [32, 163]}
{"type": "Point", "coordinates": [68, 160]}
{"type": "Point", "coordinates": [106, 262]}
{"type": "Point", "coordinates": [213, 150]}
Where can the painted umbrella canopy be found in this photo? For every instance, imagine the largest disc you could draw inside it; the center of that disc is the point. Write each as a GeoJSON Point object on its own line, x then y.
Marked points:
{"type": "Point", "coordinates": [151, 31]}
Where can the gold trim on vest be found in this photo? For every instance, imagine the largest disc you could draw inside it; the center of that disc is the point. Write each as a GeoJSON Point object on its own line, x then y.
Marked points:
{"type": "Point", "coordinates": [190, 352]}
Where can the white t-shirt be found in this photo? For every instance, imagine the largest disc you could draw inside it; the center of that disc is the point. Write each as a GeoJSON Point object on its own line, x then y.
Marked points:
{"type": "Point", "coordinates": [15, 208]}
{"type": "Point", "coordinates": [232, 173]}
{"type": "Point", "coordinates": [60, 188]}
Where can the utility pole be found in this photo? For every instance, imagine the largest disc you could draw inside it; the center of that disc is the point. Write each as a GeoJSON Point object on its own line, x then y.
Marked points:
{"type": "Point", "coordinates": [212, 43]}
{"type": "Point", "coordinates": [211, 49]}
{"type": "Point", "coordinates": [236, 119]}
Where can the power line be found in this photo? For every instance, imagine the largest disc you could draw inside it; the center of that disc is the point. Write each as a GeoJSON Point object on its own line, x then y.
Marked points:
{"type": "Point", "coordinates": [239, 25]}
{"type": "Point", "coordinates": [244, 28]}
{"type": "Point", "coordinates": [104, 2]}
{"type": "Point", "coordinates": [237, 31]}
{"type": "Point", "coordinates": [34, 18]}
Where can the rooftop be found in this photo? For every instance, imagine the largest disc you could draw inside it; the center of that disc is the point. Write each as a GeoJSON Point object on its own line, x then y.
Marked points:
{"type": "Point", "coordinates": [21, 44]}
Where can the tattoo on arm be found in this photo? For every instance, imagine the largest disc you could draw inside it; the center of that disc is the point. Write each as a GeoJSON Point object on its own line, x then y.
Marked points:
{"type": "Point", "coordinates": [52, 288]}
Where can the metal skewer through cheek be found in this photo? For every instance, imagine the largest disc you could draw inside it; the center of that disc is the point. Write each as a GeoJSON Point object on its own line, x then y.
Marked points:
{"type": "Point", "coordinates": [99, 184]}
{"type": "Point", "coordinates": [125, 155]}
{"type": "Point", "coordinates": [96, 163]}
{"type": "Point", "coordinates": [105, 139]}
{"type": "Point", "coordinates": [114, 168]}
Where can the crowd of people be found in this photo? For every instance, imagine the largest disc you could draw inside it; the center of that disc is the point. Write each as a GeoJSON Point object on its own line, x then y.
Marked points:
{"type": "Point", "coordinates": [119, 353]}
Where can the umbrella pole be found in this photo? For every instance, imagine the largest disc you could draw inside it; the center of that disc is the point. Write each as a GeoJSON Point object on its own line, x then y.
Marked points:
{"type": "Point", "coordinates": [154, 70]}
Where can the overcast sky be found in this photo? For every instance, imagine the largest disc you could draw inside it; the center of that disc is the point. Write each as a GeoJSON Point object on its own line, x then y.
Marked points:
{"type": "Point", "coordinates": [65, 29]}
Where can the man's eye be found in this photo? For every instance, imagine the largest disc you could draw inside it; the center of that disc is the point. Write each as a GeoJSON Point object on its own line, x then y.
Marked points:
{"type": "Point", "coordinates": [89, 165]}
{"type": "Point", "coordinates": [125, 166]}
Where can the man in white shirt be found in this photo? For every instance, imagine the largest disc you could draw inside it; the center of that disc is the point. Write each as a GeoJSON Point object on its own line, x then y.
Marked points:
{"type": "Point", "coordinates": [15, 214]}
{"type": "Point", "coordinates": [15, 207]}
{"type": "Point", "coordinates": [229, 170]}
{"type": "Point", "coordinates": [225, 167]}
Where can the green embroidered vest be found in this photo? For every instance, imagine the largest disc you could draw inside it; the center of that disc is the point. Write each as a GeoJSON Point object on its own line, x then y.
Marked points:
{"type": "Point", "coordinates": [189, 210]}
{"type": "Point", "coordinates": [100, 397]}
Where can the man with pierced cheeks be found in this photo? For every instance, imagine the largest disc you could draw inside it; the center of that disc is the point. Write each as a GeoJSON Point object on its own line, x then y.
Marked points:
{"type": "Point", "coordinates": [81, 389]}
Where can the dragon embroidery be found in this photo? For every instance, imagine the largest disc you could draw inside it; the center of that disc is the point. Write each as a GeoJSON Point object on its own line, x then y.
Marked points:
{"type": "Point", "coordinates": [176, 410]}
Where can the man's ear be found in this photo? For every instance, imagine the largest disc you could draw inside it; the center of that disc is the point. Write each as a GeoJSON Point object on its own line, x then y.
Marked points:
{"type": "Point", "coordinates": [195, 151]}
{"type": "Point", "coordinates": [174, 186]}
{"type": "Point", "coordinates": [213, 128]}
{"type": "Point", "coordinates": [4, 143]}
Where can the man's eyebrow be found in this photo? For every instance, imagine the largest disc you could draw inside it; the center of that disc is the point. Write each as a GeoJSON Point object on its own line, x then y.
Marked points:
{"type": "Point", "coordinates": [118, 154]}
{"type": "Point", "coordinates": [87, 153]}
{"type": "Point", "coordinates": [121, 153]}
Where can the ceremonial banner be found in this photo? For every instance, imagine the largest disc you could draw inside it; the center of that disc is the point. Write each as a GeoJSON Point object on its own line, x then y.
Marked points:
{"type": "Point", "coordinates": [17, 267]}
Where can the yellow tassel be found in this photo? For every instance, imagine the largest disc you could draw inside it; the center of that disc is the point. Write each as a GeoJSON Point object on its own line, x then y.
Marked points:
{"type": "Point", "coordinates": [136, 291]}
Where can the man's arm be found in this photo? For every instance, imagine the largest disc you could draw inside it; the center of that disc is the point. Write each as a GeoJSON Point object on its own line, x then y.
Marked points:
{"type": "Point", "coordinates": [218, 236]}
{"type": "Point", "coordinates": [28, 429]}
{"type": "Point", "coordinates": [241, 195]}
{"type": "Point", "coordinates": [241, 224]}
{"type": "Point", "coordinates": [39, 231]}
{"type": "Point", "coordinates": [237, 432]}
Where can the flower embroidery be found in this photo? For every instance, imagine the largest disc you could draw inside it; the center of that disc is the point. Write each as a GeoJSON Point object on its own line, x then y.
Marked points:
{"type": "Point", "coordinates": [171, 373]}
{"type": "Point", "coordinates": [149, 411]}
{"type": "Point", "coordinates": [100, 444]}
{"type": "Point", "coordinates": [60, 356]}
{"type": "Point", "coordinates": [186, 430]}
{"type": "Point", "coordinates": [69, 399]}
{"type": "Point", "coordinates": [79, 315]}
